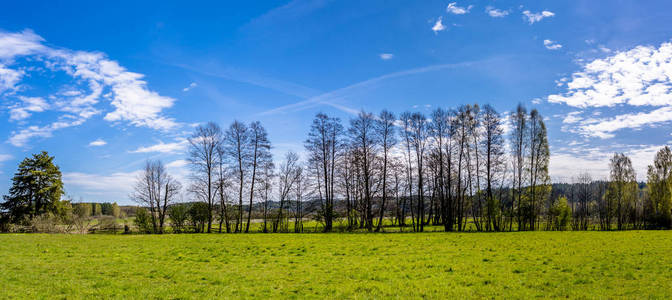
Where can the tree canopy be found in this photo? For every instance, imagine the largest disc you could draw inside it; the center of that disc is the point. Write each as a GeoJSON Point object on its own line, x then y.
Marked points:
{"type": "Point", "coordinates": [36, 189]}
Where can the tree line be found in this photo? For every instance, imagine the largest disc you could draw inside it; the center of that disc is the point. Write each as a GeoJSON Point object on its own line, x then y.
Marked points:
{"type": "Point", "coordinates": [464, 169]}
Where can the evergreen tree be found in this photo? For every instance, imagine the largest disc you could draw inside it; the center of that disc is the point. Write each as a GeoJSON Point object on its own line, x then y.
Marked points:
{"type": "Point", "coordinates": [36, 189]}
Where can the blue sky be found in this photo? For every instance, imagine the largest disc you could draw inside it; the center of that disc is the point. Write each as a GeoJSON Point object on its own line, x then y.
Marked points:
{"type": "Point", "coordinates": [105, 86]}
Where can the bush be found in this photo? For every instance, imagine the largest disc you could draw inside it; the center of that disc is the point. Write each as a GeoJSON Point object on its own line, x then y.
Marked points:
{"type": "Point", "coordinates": [179, 214]}
{"type": "Point", "coordinates": [108, 223]}
{"type": "Point", "coordinates": [562, 214]}
{"type": "Point", "coordinates": [82, 210]}
{"type": "Point", "coordinates": [47, 223]}
{"type": "Point", "coordinates": [143, 220]}
{"type": "Point", "coordinates": [198, 213]}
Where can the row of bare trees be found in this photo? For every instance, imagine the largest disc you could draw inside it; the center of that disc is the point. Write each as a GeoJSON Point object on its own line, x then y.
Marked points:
{"type": "Point", "coordinates": [468, 168]}
{"type": "Point", "coordinates": [449, 169]}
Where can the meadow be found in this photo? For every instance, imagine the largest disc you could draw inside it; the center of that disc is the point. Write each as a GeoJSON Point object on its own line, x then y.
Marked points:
{"type": "Point", "coordinates": [337, 265]}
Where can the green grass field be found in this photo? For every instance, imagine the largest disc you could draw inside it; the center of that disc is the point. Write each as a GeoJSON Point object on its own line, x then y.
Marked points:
{"type": "Point", "coordinates": [632, 264]}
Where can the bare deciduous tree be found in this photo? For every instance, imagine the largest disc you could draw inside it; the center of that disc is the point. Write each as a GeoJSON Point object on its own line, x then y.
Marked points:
{"type": "Point", "coordinates": [324, 148]}
{"type": "Point", "coordinates": [386, 132]}
{"type": "Point", "coordinates": [260, 148]}
{"type": "Point", "coordinates": [203, 158]}
{"type": "Point", "coordinates": [289, 173]}
{"type": "Point", "coordinates": [156, 189]}
{"type": "Point", "coordinates": [236, 148]}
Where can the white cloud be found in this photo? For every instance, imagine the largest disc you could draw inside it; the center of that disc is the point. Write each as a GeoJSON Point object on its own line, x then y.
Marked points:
{"type": "Point", "coordinates": [565, 165]}
{"type": "Point", "coordinates": [28, 105]}
{"type": "Point", "coordinates": [104, 79]}
{"type": "Point", "coordinates": [21, 137]}
{"type": "Point", "coordinates": [458, 10]}
{"type": "Point", "coordinates": [92, 186]}
{"type": "Point", "coordinates": [5, 157]}
{"type": "Point", "coordinates": [190, 87]}
{"type": "Point", "coordinates": [572, 117]}
{"type": "Point", "coordinates": [162, 147]}
{"type": "Point", "coordinates": [438, 26]}
{"type": "Point", "coordinates": [386, 56]}
{"type": "Point", "coordinates": [641, 77]}
{"type": "Point", "coordinates": [98, 143]}
{"type": "Point", "coordinates": [9, 78]}
{"type": "Point", "coordinates": [496, 13]}
{"type": "Point", "coordinates": [552, 45]}
{"type": "Point", "coordinates": [20, 43]}
{"type": "Point", "coordinates": [532, 18]}
{"type": "Point", "coordinates": [605, 128]}
{"type": "Point", "coordinates": [177, 163]}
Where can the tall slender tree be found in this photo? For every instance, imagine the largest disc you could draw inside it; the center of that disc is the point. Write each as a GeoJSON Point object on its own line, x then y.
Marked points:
{"type": "Point", "coordinates": [519, 152]}
{"type": "Point", "coordinates": [237, 148]}
{"type": "Point", "coordinates": [406, 133]}
{"type": "Point", "coordinates": [288, 175]}
{"type": "Point", "coordinates": [324, 148]}
{"type": "Point", "coordinates": [260, 148]}
{"type": "Point", "coordinates": [364, 142]}
{"type": "Point", "coordinates": [539, 157]}
{"type": "Point", "coordinates": [441, 132]}
{"type": "Point", "coordinates": [203, 146]}
{"type": "Point", "coordinates": [622, 189]}
{"type": "Point", "coordinates": [659, 184]}
{"type": "Point", "coordinates": [386, 132]}
{"type": "Point", "coordinates": [419, 133]}
{"type": "Point", "coordinates": [493, 147]}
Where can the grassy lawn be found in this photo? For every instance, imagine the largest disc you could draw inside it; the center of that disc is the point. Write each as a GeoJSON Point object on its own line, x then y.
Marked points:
{"type": "Point", "coordinates": [435, 265]}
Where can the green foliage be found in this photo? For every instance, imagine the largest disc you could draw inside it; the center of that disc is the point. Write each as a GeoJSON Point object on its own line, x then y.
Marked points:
{"type": "Point", "coordinates": [199, 213]}
{"type": "Point", "coordinates": [179, 214]}
{"type": "Point", "coordinates": [82, 210]}
{"type": "Point", "coordinates": [143, 220]}
{"type": "Point", "coordinates": [106, 208]}
{"type": "Point", "coordinates": [116, 211]}
{"type": "Point", "coordinates": [561, 214]}
{"type": "Point", "coordinates": [36, 189]}
{"type": "Point", "coordinates": [659, 185]}
{"type": "Point", "coordinates": [520, 265]}
{"type": "Point", "coordinates": [97, 209]}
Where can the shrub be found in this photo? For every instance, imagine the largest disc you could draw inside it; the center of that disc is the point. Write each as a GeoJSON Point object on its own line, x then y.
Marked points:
{"type": "Point", "coordinates": [198, 213]}
{"type": "Point", "coordinates": [46, 223]}
{"type": "Point", "coordinates": [562, 214]}
{"type": "Point", "coordinates": [179, 214]}
{"type": "Point", "coordinates": [143, 220]}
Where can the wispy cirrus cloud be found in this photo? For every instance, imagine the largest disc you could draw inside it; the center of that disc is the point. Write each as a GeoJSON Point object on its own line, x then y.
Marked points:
{"type": "Point", "coordinates": [26, 107]}
{"type": "Point", "coordinates": [97, 77]}
{"type": "Point", "coordinates": [175, 147]}
{"type": "Point", "coordinates": [329, 98]}
{"type": "Point", "coordinates": [21, 137]}
{"type": "Point", "coordinates": [9, 78]}
{"type": "Point", "coordinates": [190, 87]}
